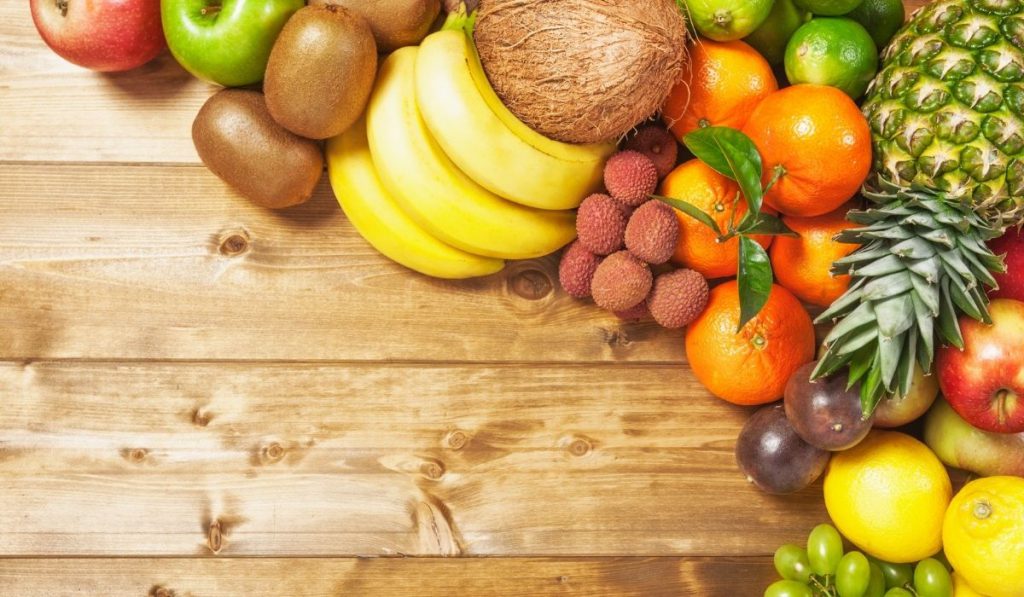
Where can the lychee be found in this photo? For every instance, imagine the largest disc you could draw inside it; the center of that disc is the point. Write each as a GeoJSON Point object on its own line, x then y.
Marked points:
{"type": "Point", "coordinates": [601, 224]}
{"type": "Point", "coordinates": [620, 282]}
{"type": "Point", "coordinates": [630, 177]}
{"type": "Point", "coordinates": [658, 145]}
{"type": "Point", "coordinates": [635, 313]}
{"type": "Point", "coordinates": [576, 270]}
{"type": "Point", "coordinates": [652, 232]}
{"type": "Point", "coordinates": [677, 298]}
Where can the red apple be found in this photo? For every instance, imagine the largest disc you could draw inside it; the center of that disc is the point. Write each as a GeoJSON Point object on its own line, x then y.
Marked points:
{"type": "Point", "coordinates": [1011, 284]}
{"type": "Point", "coordinates": [984, 382]}
{"type": "Point", "coordinates": [102, 35]}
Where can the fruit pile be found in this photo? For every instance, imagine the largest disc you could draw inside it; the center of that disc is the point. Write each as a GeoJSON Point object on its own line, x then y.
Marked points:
{"type": "Point", "coordinates": [456, 141]}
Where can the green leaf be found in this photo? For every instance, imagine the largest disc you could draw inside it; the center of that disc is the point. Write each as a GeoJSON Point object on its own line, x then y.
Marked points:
{"type": "Point", "coordinates": [755, 279]}
{"type": "Point", "coordinates": [691, 210]}
{"type": "Point", "coordinates": [765, 224]}
{"type": "Point", "coordinates": [732, 154]}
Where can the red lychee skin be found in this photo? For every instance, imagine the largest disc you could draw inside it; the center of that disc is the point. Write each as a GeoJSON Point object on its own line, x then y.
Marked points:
{"type": "Point", "coordinates": [677, 298]}
{"type": "Point", "coordinates": [652, 232]}
{"type": "Point", "coordinates": [621, 282]}
{"type": "Point", "coordinates": [659, 145]}
{"type": "Point", "coordinates": [601, 224]}
{"type": "Point", "coordinates": [576, 270]}
{"type": "Point", "coordinates": [636, 313]}
{"type": "Point", "coordinates": [630, 177]}
{"type": "Point", "coordinates": [1011, 283]}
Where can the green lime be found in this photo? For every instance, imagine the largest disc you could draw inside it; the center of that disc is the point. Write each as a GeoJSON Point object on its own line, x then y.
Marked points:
{"type": "Point", "coordinates": [832, 51]}
{"type": "Point", "coordinates": [828, 8]}
{"type": "Point", "coordinates": [726, 20]}
{"type": "Point", "coordinates": [882, 19]}
{"type": "Point", "coordinates": [770, 38]}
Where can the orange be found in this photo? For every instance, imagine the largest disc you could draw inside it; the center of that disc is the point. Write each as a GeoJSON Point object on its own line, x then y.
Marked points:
{"type": "Point", "coordinates": [820, 141]}
{"type": "Point", "coordinates": [722, 85]}
{"type": "Point", "coordinates": [803, 264]}
{"type": "Point", "coordinates": [717, 196]}
{"type": "Point", "coordinates": [752, 366]}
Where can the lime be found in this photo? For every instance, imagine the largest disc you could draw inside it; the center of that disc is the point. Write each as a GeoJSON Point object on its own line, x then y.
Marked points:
{"type": "Point", "coordinates": [726, 20]}
{"type": "Point", "coordinates": [770, 38]}
{"type": "Point", "coordinates": [832, 51]}
{"type": "Point", "coordinates": [828, 8]}
{"type": "Point", "coordinates": [882, 19]}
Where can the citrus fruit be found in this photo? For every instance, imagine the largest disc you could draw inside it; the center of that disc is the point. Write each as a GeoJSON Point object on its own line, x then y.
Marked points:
{"type": "Point", "coordinates": [837, 52]}
{"type": "Point", "coordinates": [698, 247]}
{"type": "Point", "coordinates": [888, 495]}
{"type": "Point", "coordinates": [726, 20]}
{"type": "Point", "coordinates": [771, 37]}
{"type": "Point", "coordinates": [803, 264]}
{"type": "Point", "coordinates": [881, 18]}
{"type": "Point", "coordinates": [816, 141]}
{"type": "Point", "coordinates": [828, 8]}
{"type": "Point", "coordinates": [961, 588]}
{"type": "Point", "coordinates": [724, 82]}
{"type": "Point", "coordinates": [984, 535]}
{"type": "Point", "coordinates": [753, 365]}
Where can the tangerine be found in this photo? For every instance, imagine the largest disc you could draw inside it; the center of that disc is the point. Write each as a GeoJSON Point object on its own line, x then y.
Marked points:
{"type": "Point", "coordinates": [803, 264]}
{"type": "Point", "coordinates": [751, 366]}
{"type": "Point", "coordinates": [817, 142]}
{"type": "Point", "coordinates": [698, 247]}
{"type": "Point", "coordinates": [723, 83]}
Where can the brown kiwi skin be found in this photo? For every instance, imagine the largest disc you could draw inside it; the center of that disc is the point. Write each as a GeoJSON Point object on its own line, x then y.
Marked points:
{"type": "Point", "coordinates": [321, 71]}
{"type": "Point", "coordinates": [395, 23]}
{"type": "Point", "coordinates": [238, 141]}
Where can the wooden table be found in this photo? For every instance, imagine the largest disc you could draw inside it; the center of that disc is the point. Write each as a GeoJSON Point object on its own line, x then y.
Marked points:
{"type": "Point", "coordinates": [200, 397]}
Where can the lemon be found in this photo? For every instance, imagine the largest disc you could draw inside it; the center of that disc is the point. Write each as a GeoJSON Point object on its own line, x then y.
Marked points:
{"type": "Point", "coordinates": [888, 495]}
{"type": "Point", "coordinates": [961, 588]}
{"type": "Point", "coordinates": [984, 535]}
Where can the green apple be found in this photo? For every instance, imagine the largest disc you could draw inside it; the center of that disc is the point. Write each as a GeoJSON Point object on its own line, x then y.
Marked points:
{"type": "Point", "coordinates": [961, 445]}
{"type": "Point", "coordinates": [226, 42]}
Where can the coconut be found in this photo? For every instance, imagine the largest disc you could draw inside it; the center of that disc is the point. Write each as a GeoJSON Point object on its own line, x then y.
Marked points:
{"type": "Point", "coordinates": [582, 71]}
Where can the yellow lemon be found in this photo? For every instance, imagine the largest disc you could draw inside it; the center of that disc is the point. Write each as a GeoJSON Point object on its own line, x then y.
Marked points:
{"type": "Point", "coordinates": [888, 495]}
{"type": "Point", "coordinates": [961, 588]}
{"type": "Point", "coordinates": [984, 535]}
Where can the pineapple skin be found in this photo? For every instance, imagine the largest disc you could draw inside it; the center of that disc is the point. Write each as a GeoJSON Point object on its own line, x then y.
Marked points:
{"type": "Point", "coordinates": [946, 110]}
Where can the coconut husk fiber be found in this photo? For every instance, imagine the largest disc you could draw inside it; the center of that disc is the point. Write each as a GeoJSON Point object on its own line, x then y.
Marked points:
{"type": "Point", "coordinates": [582, 71]}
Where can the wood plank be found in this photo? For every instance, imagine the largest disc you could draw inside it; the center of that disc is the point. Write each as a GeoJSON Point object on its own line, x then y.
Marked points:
{"type": "Point", "coordinates": [177, 459]}
{"type": "Point", "coordinates": [55, 111]}
{"type": "Point", "coordinates": [166, 263]}
{"type": "Point", "coordinates": [409, 577]}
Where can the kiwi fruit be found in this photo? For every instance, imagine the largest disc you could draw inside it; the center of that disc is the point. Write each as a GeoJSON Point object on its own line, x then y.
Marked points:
{"type": "Point", "coordinates": [395, 23]}
{"type": "Point", "coordinates": [321, 71]}
{"type": "Point", "coordinates": [238, 141]}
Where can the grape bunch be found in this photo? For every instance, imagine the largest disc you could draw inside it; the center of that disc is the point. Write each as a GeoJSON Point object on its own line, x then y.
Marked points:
{"type": "Point", "coordinates": [824, 570]}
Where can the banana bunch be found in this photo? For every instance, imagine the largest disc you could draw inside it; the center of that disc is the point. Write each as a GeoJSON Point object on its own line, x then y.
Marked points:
{"type": "Point", "coordinates": [442, 178]}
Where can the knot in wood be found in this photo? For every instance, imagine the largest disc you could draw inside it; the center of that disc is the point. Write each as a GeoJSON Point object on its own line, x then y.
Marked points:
{"type": "Point", "coordinates": [579, 447]}
{"type": "Point", "coordinates": [200, 417]}
{"type": "Point", "coordinates": [234, 244]}
{"type": "Point", "coordinates": [137, 455]}
{"type": "Point", "coordinates": [271, 452]}
{"type": "Point", "coordinates": [161, 591]}
{"type": "Point", "coordinates": [531, 284]}
{"type": "Point", "coordinates": [432, 469]}
{"type": "Point", "coordinates": [215, 537]}
{"type": "Point", "coordinates": [457, 440]}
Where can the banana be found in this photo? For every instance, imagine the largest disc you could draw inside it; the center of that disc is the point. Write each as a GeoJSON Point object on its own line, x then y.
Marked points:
{"type": "Point", "coordinates": [434, 192]}
{"type": "Point", "coordinates": [482, 145]}
{"type": "Point", "coordinates": [376, 216]}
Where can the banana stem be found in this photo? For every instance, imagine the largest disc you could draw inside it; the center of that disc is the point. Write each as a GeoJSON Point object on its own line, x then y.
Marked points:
{"type": "Point", "coordinates": [460, 19]}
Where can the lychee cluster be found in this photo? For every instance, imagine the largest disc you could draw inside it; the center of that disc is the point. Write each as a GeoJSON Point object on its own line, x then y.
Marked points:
{"type": "Point", "coordinates": [625, 240]}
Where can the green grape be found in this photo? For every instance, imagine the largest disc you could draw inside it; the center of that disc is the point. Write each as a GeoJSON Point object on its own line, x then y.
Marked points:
{"type": "Point", "coordinates": [898, 592]}
{"type": "Point", "coordinates": [876, 586]}
{"type": "Point", "coordinates": [824, 549]}
{"type": "Point", "coordinates": [896, 575]}
{"type": "Point", "coordinates": [931, 579]}
{"type": "Point", "coordinates": [791, 563]}
{"type": "Point", "coordinates": [941, 557]}
{"type": "Point", "coordinates": [788, 588]}
{"type": "Point", "coordinates": [853, 575]}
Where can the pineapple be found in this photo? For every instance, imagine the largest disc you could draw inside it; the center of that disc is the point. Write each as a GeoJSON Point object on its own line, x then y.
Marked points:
{"type": "Point", "coordinates": [947, 120]}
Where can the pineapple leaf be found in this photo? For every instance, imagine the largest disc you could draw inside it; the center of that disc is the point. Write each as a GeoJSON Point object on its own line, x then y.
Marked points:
{"type": "Point", "coordinates": [915, 248]}
{"type": "Point", "coordinates": [871, 388]}
{"type": "Point", "coordinates": [978, 268]}
{"type": "Point", "coordinates": [886, 286]}
{"type": "Point", "coordinates": [859, 365]}
{"type": "Point", "coordinates": [894, 315]}
{"type": "Point", "coordinates": [829, 363]}
{"type": "Point", "coordinates": [888, 233]}
{"type": "Point", "coordinates": [957, 268]}
{"type": "Point", "coordinates": [927, 292]}
{"type": "Point", "coordinates": [875, 250]}
{"type": "Point", "coordinates": [844, 304]}
{"type": "Point", "coordinates": [855, 320]}
{"type": "Point", "coordinates": [890, 264]}
{"type": "Point", "coordinates": [889, 351]}
{"type": "Point", "coordinates": [854, 341]}
{"type": "Point", "coordinates": [928, 269]}
{"type": "Point", "coordinates": [939, 236]}
{"type": "Point", "coordinates": [906, 367]}
{"type": "Point", "coordinates": [733, 155]}
{"type": "Point", "coordinates": [949, 327]}
{"type": "Point", "coordinates": [926, 327]}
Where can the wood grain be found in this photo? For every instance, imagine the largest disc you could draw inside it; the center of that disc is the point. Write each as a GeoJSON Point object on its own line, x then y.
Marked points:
{"type": "Point", "coordinates": [410, 577]}
{"type": "Point", "coordinates": [239, 459]}
{"type": "Point", "coordinates": [147, 262]}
